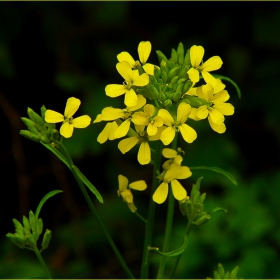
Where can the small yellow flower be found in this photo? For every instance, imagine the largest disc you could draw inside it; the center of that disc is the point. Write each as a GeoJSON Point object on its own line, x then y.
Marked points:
{"type": "Point", "coordinates": [213, 63]}
{"type": "Point", "coordinates": [174, 126]}
{"type": "Point", "coordinates": [66, 130]}
{"type": "Point", "coordinates": [144, 50]}
{"type": "Point", "coordinates": [131, 78]}
{"type": "Point", "coordinates": [126, 193]}
{"type": "Point", "coordinates": [173, 173]}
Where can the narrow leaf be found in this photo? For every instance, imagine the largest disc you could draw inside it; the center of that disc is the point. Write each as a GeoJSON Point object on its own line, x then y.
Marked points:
{"type": "Point", "coordinates": [217, 209]}
{"type": "Point", "coordinates": [87, 183]}
{"type": "Point", "coordinates": [44, 199]}
{"type": "Point", "coordinates": [231, 81]}
{"type": "Point", "coordinates": [218, 170]}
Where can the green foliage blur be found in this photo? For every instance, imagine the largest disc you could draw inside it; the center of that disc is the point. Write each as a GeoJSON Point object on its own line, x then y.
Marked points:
{"type": "Point", "coordinates": [50, 51]}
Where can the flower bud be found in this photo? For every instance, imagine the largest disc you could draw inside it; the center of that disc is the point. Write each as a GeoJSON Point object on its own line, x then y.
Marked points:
{"type": "Point", "coordinates": [26, 223]}
{"type": "Point", "coordinates": [174, 56]}
{"type": "Point", "coordinates": [30, 241]}
{"type": "Point", "coordinates": [17, 239]}
{"type": "Point", "coordinates": [18, 227]}
{"type": "Point", "coordinates": [180, 53]}
{"type": "Point", "coordinates": [39, 226]}
{"type": "Point", "coordinates": [32, 221]}
{"type": "Point", "coordinates": [161, 56]}
{"type": "Point", "coordinates": [176, 96]}
{"type": "Point", "coordinates": [187, 60]}
{"type": "Point", "coordinates": [46, 239]}
{"type": "Point", "coordinates": [163, 76]}
{"type": "Point", "coordinates": [174, 80]}
{"type": "Point", "coordinates": [45, 139]}
{"type": "Point", "coordinates": [35, 117]}
{"type": "Point", "coordinates": [167, 103]}
{"type": "Point", "coordinates": [187, 86]}
{"type": "Point", "coordinates": [153, 91]}
{"type": "Point", "coordinates": [28, 122]}
{"type": "Point", "coordinates": [43, 111]}
{"type": "Point", "coordinates": [29, 135]}
{"type": "Point", "coordinates": [172, 73]}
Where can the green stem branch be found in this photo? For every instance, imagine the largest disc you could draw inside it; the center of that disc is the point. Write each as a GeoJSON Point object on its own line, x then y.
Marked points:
{"type": "Point", "coordinates": [41, 260]}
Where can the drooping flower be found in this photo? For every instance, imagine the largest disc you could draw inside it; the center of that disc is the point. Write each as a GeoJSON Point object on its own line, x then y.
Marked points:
{"type": "Point", "coordinates": [131, 78]}
{"type": "Point", "coordinates": [126, 193]}
{"type": "Point", "coordinates": [213, 63]}
{"type": "Point", "coordinates": [66, 130]}
{"type": "Point", "coordinates": [144, 50]}
{"type": "Point", "coordinates": [188, 133]}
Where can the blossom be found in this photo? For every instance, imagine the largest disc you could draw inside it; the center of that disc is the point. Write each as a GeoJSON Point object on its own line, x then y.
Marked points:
{"type": "Point", "coordinates": [69, 123]}
{"type": "Point", "coordinates": [173, 173]}
{"type": "Point", "coordinates": [213, 63]}
{"type": "Point", "coordinates": [147, 118]}
{"type": "Point", "coordinates": [187, 132]}
{"type": "Point", "coordinates": [125, 192]}
{"type": "Point", "coordinates": [144, 50]}
{"type": "Point", "coordinates": [131, 78]}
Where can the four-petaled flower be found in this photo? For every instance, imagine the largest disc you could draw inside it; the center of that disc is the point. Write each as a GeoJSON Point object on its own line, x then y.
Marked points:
{"type": "Point", "coordinates": [125, 192]}
{"type": "Point", "coordinates": [213, 63]}
{"type": "Point", "coordinates": [66, 130]}
{"type": "Point", "coordinates": [131, 78]}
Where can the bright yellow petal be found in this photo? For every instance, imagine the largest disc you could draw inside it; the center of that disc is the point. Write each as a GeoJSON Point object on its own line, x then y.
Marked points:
{"type": "Point", "coordinates": [125, 56]}
{"type": "Point", "coordinates": [141, 80]}
{"type": "Point", "coordinates": [112, 128]}
{"type": "Point", "coordinates": [184, 173]}
{"type": "Point", "coordinates": [216, 116]}
{"type": "Point", "coordinates": [220, 128]}
{"type": "Point", "coordinates": [220, 97]}
{"type": "Point", "coordinates": [167, 135]}
{"type": "Point", "coordinates": [193, 75]}
{"type": "Point", "coordinates": [213, 63]}
{"type": "Point", "coordinates": [53, 117]}
{"type": "Point", "coordinates": [178, 191]}
{"type": "Point", "coordinates": [144, 153]}
{"type": "Point", "coordinates": [196, 55]}
{"type": "Point", "coordinates": [161, 193]}
{"type": "Point", "coordinates": [225, 108]}
{"type": "Point", "coordinates": [140, 103]}
{"type": "Point", "coordinates": [140, 129]}
{"type": "Point", "coordinates": [115, 90]}
{"type": "Point", "coordinates": [158, 121]}
{"type": "Point", "coordinates": [140, 118]}
{"type": "Point", "coordinates": [66, 130]}
{"type": "Point", "coordinates": [81, 122]}
{"type": "Point", "coordinates": [183, 112]}
{"type": "Point", "coordinates": [149, 68]}
{"type": "Point", "coordinates": [188, 133]}
{"type": "Point", "coordinates": [202, 112]}
{"type": "Point", "coordinates": [125, 70]}
{"type": "Point", "coordinates": [173, 172]}
{"type": "Point", "coordinates": [123, 183]}
{"type": "Point", "coordinates": [127, 144]}
{"type": "Point", "coordinates": [122, 129]}
{"type": "Point", "coordinates": [169, 153]}
{"type": "Point", "coordinates": [98, 118]}
{"type": "Point", "coordinates": [138, 185]}
{"type": "Point", "coordinates": [158, 134]}
{"type": "Point", "coordinates": [166, 117]}
{"type": "Point", "coordinates": [104, 134]}
{"type": "Point", "coordinates": [144, 50]}
{"type": "Point", "coordinates": [130, 98]}
{"type": "Point", "coordinates": [149, 109]}
{"type": "Point", "coordinates": [72, 105]}
{"type": "Point", "coordinates": [152, 129]}
{"type": "Point", "coordinates": [110, 114]}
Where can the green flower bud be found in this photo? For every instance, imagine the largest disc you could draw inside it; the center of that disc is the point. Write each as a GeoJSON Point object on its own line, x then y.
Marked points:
{"type": "Point", "coordinates": [167, 103]}
{"type": "Point", "coordinates": [45, 139]}
{"type": "Point", "coordinates": [161, 56]}
{"type": "Point", "coordinates": [35, 117]}
{"type": "Point", "coordinates": [172, 73]}
{"type": "Point", "coordinates": [179, 87]}
{"type": "Point", "coordinates": [161, 96]}
{"type": "Point", "coordinates": [181, 81]}
{"type": "Point", "coordinates": [17, 239]}
{"type": "Point", "coordinates": [187, 60]}
{"type": "Point", "coordinates": [39, 226]}
{"type": "Point", "coordinates": [187, 86]}
{"type": "Point", "coordinates": [18, 227]}
{"type": "Point", "coordinates": [202, 197]}
{"type": "Point", "coordinates": [174, 80]}
{"type": "Point", "coordinates": [26, 223]}
{"type": "Point", "coordinates": [163, 76]}
{"type": "Point", "coordinates": [180, 53]}
{"type": "Point", "coordinates": [174, 56]}
{"type": "Point", "coordinates": [29, 135]}
{"type": "Point", "coordinates": [40, 128]}
{"type": "Point", "coordinates": [221, 270]}
{"type": "Point", "coordinates": [32, 221]}
{"type": "Point", "coordinates": [216, 275]}
{"type": "Point", "coordinates": [202, 220]}
{"type": "Point", "coordinates": [153, 91]}
{"type": "Point", "coordinates": [55, 134]}
{"type": "Point", "coordinates": [28, 122]}
{"type": "Point", "coordinates": [157, 73]}
{"type": "Point", "coordinates": [46, 239]}
{"type": "Point", "coordinates": [234, 273]}
{"type": "Point", "coordinates": [194, 100]}
{"type": "Point", "coordinates": [30, 241]}
{"type": "Point", "coordinates": [176, 96]}
{"type": "Point", "coordinates": [43, 111]}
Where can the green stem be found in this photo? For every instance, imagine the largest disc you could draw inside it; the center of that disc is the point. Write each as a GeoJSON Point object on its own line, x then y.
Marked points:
{"type": "Point", "coordinates": [41, 260]}
{"type": "Point", "coordinates": [92, 208]}
{"type": "Point", "coordinates": [151, 214]}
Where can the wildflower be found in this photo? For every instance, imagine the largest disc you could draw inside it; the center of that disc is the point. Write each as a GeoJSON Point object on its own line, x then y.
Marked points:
{"type": "Point", "coordinates": [147, 118]}
{"type": "Point", "coordinates": [108, 132]}
{"type": "Point", "coordinates": [69, 123]}
{"type": "Point", "coordinates": [173, 173]}
{"type": "Point", "coordinates": [131, 78]}
{"type": "Point", "coordinates": [173, 157]}
{"type": "Point", "coordinates": [125, 192]}
{"type": "Point", "coordinates": [187, 132]}
{"type": "Point", "coordinates": [213, 63]}
{"type": "Point", "coordinates": [144, 50]}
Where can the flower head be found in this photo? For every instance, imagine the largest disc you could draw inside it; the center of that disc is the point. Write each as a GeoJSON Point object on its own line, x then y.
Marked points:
{"type": "Point", "coordinates": [69, 123]}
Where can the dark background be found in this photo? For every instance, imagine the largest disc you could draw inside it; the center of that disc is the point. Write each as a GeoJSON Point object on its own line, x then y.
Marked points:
{"type": "Point", "coordinates": [50, 51]}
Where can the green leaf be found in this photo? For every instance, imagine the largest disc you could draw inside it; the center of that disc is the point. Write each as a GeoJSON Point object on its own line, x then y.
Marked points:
{"type": "Point", "coordinates": [217, 209]}
{"type": "Point", "coordinates": [218, 170]}
{"type": "Point", "coordinates": [176, 252]}
{"type": "Point", "coordinates": [87, 183]}
{"type": "Point", "coordinates": [231, 81]}
{"type": "Point", "coordinates": [44, 199]}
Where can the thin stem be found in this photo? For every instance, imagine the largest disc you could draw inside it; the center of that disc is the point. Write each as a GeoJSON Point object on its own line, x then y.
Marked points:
{"type": "Point", "coordinates": [151, 214]}
{"type": "Point", "coordinates": [41, 260]}
{"type": "Point", "coordinates": [140, 217]}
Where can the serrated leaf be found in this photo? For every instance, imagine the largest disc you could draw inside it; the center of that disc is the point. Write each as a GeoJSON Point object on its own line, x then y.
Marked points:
{"type": "Point", "coordinates": [87, 183]}
{"type": "Point", "coordinates": [43, 200]}
{"type": "Point", "coordinates": [218, 170]}
{"type": "Point", "coordinates": [231, 81]}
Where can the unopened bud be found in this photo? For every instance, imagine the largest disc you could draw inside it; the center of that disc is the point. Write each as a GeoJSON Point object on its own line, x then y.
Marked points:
{"type": "Point", "coordinates": [39, 226]}
{"type": "Point", "coordinates": [172, 73]}
{"type": "Point", "coordinates": [174, 80]}
{"type": "Point", "coordinates": [30, 241]}
{"type": "Point", "coordinates": [46, 239]}
{"type": "Point", "coordinates": [167, 103]}
{"type": "Point", "coordinates": [28, 122]}
{"type": "Point", "coordinates": [32, 221]}
{"type": "Point", "coordinates": [17, 239]}
{"type": "Point", "coordinates": [45, 139]}
{"type": "Point", "coordinates": [174, 56]}
{"type": "Point", "coordinates": [35, 117]}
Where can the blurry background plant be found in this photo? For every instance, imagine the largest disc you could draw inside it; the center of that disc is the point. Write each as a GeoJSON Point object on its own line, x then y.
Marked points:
{"type": "Point", "coordinates": [52, 51]}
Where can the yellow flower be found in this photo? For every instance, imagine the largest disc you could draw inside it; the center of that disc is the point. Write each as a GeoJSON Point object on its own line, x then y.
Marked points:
{"type": "Point", "coordinates": [147, 118]}
{"type": "Point", "coordinates": [125, 192]}
{"type": "Point", "coordinates": [173, 173]}
{"type": "Point", "coordinates": [213, 63]}
{"type": "Point", "coordinates": [173, 157]}
{"type": "Point", "coordinates": [108, 132]}
{"type": "Point", "coordinates": [69, 123]}
{"type": "Point", "coordinates": [131, 78]}
{"type": "Point", "coordinates": [187, 132]}
{"type": "Point", "coordinates": [144, 50]}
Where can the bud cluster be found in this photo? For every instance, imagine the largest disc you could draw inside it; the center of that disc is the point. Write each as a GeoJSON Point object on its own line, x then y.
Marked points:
{"type": "Point", "coordinates": [38, 129]}
{"type": "Point", "coordinates": [221, 274]}
{"type": "Point", "coordinates": [28, 233]}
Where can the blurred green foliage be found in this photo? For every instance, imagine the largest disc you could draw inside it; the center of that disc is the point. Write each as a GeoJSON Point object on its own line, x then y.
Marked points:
{"type": "Point", "coordinates": [50, 51]}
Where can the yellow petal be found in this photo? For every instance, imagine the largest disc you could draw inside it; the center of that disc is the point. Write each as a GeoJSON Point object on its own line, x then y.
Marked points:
{"type": "Point", "coordinates": [161, 193]}
{"type": "Point", "coordinates": [158, 134]}
{"type": "Point", "coordinates": [98, 118]}
{"type": "Point", "coordinates": [140, 118]}
{"type": "Point", "coordinates": [184, 173]}
{"type": "Point", "coordinates": [81, 122]}
{"type": "Point", "coordinates": [144, 153]}
{"type": "Point", "coordinates": [193, 75]}
{"type": "Point", "coordinates": [225, 108]}
{"type": "Point", "coordinates": [53, 117]}
{"type": "Point", "coordinates": [138, 185]}
{"type": "Point", "coordinates": [110, 114]}
{"type": "Point", "coordinates": [167, 135]}
{"type": "Point", "coordinates": [115, 90]}
{"type": "Point", "coordinates": [220, 97]}
{"type": "Point", "coordinates": [149, 68]}
{"type": "Point", "coordinates": [169, 153]}
{"type": "Point", "coordinates": [72, 106]}
{"type": "Point", "coordinates": [122, 129]}
{"type": "Point", "coordinates": [104, 134]}
{"type": "Point", "coordinates": [130, 98]}
{"type": "Point", "coordinates": [172, 172]}
{"type": "Point", "coordinates": [144, 50]}
{"type": "Point", "coordinates": [178, 191]}
{"type": "Point", "coordinates": [126, 195]}
{"type": "Point", "coordinates": [183, 112]}
{"type": "Point", "coordinates": [149, 109]}
{"type": "Point", "coordinates": [125, 56]}
{"type": "Point", "coordinates": [127, 144]}
{"type": "Point", "coordinates": [166, 117]}
{"type": "Point", "coordinates": [220, 128]}
{"type": "Point", "coordinates": [125, 70]}
{"type": "Point", "coordinates": [188, 133]}
{"type": "Point", "coordinates": [140, 103]}
{"type": "Point", "coordinates": [141, 80]}
{"type": "Point", "coordinates": [123, 183]}
{"type": "Point", "coordinates": [158, 121]}
{"type": "Point", "coordinates": [213, 63]}
{"type": "Point", "coordinates": [66, 130]}
{"type": "Point", "coordinates": [216, 116]}
{"type": "Point", "coordinates": [112, 128]}
{"type": "Point", "coordinates": [196, 55]}
{"type": "Point", "coordinates": [202, 112]}
{"type": "Point", "coordinates": [208, 78]}
{"type": "Point", "coordinates": [152, 129]}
